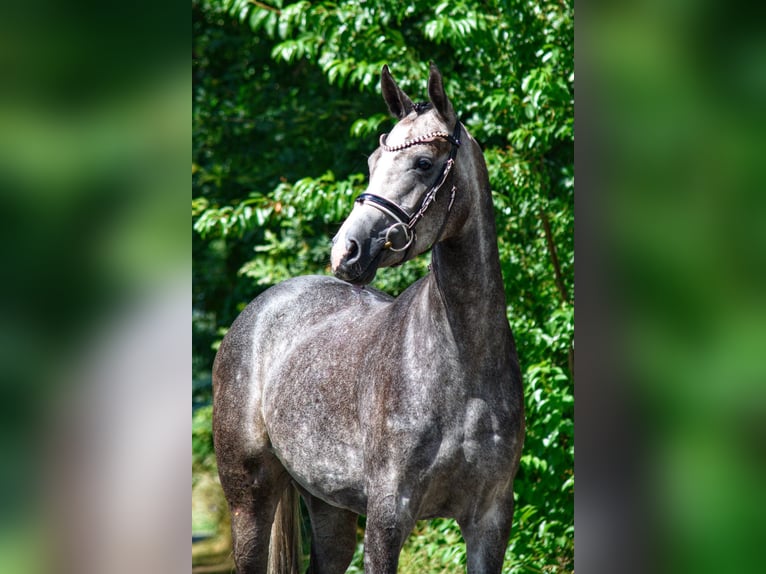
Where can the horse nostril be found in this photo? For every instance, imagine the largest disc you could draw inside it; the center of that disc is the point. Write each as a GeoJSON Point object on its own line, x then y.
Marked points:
{"type": "Point", "coordinates": [352, 250]}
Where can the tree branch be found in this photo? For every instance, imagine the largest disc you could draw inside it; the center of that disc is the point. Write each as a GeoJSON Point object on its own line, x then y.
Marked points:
{"type": "Point", "coordinates": [265, 6]}
{"type": "Point", "coordinates": [554, 257]}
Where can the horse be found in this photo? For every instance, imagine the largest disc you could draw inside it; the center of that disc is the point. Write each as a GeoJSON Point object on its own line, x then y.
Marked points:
{"type": "Point", "coordinates": [399, 409]}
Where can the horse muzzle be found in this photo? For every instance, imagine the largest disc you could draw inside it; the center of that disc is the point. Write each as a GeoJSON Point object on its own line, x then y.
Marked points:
{"type": "Point", "coordinates": [355, 259]}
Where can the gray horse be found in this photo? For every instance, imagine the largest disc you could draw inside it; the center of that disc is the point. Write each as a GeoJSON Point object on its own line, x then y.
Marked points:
{"type": "Point", "coordinates": [399, 409]}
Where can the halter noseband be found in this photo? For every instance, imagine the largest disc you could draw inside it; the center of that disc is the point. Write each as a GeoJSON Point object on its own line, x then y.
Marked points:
{"type": "Point", "coordinates": [402, 219]}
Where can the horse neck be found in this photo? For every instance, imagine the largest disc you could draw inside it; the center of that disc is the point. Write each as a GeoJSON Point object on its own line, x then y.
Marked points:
{"type": "Point", "coordinates": [466, 271]}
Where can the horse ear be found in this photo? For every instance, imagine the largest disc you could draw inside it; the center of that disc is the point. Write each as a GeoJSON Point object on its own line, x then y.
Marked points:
{"type": "Point", "coordinates": [398, 102]}
{"type": "Point", "coordinates": [438, 96]}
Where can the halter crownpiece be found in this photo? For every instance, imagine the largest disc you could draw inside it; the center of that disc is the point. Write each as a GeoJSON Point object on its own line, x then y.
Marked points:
{"type": "Point", "coordinates": [402, 219]}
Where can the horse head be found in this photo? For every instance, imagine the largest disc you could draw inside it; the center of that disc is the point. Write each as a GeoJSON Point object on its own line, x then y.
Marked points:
{"type": "Point", "coordinates": [398, 217]}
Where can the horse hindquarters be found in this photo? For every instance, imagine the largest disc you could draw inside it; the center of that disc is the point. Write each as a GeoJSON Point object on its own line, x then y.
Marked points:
{"type": "Point", "coordinates": [252, 517]}
{"type": "Point", "coordinates": [254, 487]}
{"type": "Point", "coordinates": [252, 478]}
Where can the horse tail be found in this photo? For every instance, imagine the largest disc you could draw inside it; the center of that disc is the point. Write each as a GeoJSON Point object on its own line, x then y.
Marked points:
{"type": "Point", "coordinates": [285, 545]}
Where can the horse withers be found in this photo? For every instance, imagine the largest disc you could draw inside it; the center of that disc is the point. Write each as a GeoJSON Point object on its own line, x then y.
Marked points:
{"type": "Point", "coordinates": [399, 409]}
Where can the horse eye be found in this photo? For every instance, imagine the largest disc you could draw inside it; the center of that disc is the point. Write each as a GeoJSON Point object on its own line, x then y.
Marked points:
{"type": "Point", "coordinates": [423, 164]}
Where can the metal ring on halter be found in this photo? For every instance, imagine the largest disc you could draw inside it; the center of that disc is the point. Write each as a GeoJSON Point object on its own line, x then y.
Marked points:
{"type": "Point", "coordinates": [408, 233]}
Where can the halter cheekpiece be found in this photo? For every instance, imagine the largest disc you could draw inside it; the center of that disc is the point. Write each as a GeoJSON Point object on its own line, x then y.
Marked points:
{"type": "Point", "coordinates": [404, 220]}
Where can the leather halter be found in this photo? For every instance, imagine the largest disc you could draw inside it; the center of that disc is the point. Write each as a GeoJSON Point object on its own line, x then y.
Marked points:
{"type": "Point", "coordinates": [404, 220]}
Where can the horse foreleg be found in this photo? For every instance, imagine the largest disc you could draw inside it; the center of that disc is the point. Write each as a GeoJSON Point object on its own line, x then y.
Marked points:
{"type": "Point", "coordinates": [486, 538]}
{"type": "Point", "coordinates": [389, 522]}
{"type": "Point", "coordinates": [333, 536]}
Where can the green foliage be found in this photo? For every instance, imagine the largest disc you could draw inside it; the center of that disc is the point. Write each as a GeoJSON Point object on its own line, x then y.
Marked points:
{"type": "Point", "coordinates": [286, 107]}
{"type": "Point", "coordinates": [203, 459]}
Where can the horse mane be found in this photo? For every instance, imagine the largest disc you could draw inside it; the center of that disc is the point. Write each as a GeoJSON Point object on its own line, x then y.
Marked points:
{"type": "Point", "coordinates": [421, 107]}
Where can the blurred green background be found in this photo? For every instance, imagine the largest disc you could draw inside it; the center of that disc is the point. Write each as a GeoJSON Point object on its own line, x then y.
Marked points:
{"type": "Point", "coordinates": [675, 241]}
{"type": "Point", "coordinates": [287, 107]}
{"type": "Point", "coordinates": [94, 142]}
